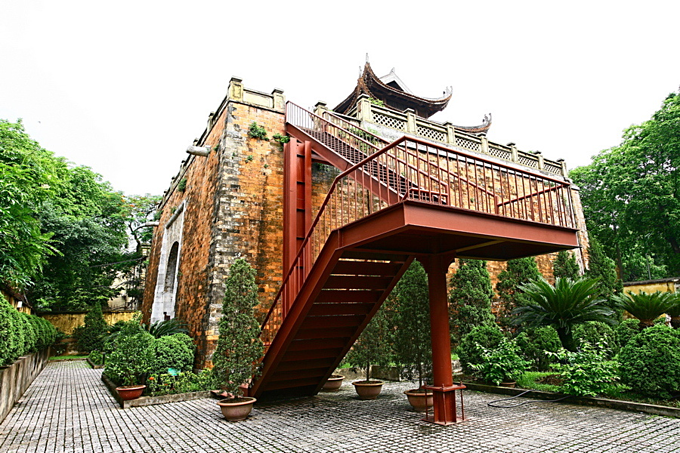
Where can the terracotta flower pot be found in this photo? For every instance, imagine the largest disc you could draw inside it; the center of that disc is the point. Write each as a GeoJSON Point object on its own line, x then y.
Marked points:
{"type": "Point", "coordinates": [419, 399]}
{"type": "Point", "coordinates": [333, 383]}
{"type": "Point", "coordinates": [368, 390]}
{"type": "Point", "coordinates": [510, 384]}
{"type": "Point", "coordinates": [130, 392]}
{"type": "Point", "coordinates": [236, 409]}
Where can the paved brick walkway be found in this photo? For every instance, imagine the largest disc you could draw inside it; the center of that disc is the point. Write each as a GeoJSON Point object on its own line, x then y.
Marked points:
{"type": "Point", "coordinates": [68, 409]}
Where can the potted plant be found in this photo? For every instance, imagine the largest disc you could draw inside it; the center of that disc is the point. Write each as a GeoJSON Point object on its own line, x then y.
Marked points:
{"type": "Point", "coordinates": [412, 343]}
{"type": "Point", "coordinates": [239, 348]}
{"type": "Point", "coordinates": [502, 365]}
{"type": "Point", "coordinates": [129, 363]}
{"type": "Point", "coordinates": [333, 383]}
{"type": "Point", "coordinates": [371, 348]}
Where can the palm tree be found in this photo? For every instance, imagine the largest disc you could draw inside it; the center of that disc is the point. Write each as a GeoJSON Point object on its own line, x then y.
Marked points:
{"type": "Point", "coordinates": [562, 306]}
{"type": "Point", "coordinates": [645, 306]}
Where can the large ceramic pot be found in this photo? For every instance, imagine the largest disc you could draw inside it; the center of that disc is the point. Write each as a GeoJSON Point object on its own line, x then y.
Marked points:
{"type": "Point", "coordinates": [419, 399]}
{"type": "Point", "coordinates": [236, 409]}
{"type": "Point", "coordinates": [368, 390]}
{"type": "Point", "coordinates": [130, 392]}
{"type": "Point", "coordinates": [333, 383]}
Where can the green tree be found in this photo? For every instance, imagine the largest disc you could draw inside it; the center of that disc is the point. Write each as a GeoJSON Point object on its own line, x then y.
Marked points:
{"type": "Point", "coordinates": [646, 307]}
{"type": "Point", "coordinates": [631, 193]}
{"type": "Point", "coordinates": [517, 273]}
{"type": "Point", "coordinates": [470, 298]}
{"type": "Point", "coordinates": [90, 336]}
{"type": "Point", "coordinates": [412, 343]}
{"type": "Point", "coordinates": [565, 266]}
{"type": "Point", "coordinates": [563, 306]}
{"type": "Point", "coordinates": [239, 347]}
{"type": "Point", "coordinates": [602, 267]}
{"type": "Point", "coordinates": [373, 346]}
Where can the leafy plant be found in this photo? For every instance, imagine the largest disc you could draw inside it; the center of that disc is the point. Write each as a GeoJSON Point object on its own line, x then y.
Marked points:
{"type": "Point", "coordinates": [281, 138]}
{"type": "Point", "coordinates": [373, 345]}
{"type": "Point", "coordinates": [166, 327]}
{"type": "Point", "coordinates": [509, 287]}
{"type": "Point", "coordinates": [565, 266]}
{"type": "Point", "coordinates": [646, 307]}
{"type": "Point", "coordinates": [650, 362]}
{"type": "Point", "coordinates": [562, 306]}
{"type": "Point", "coordinates": [674, 311]}
{"type": "Point", "coordinates": [131, 360]}
{"type": "Point", "coordinates": [500, 364]}
{"type": "Point", "coordinates": [91, 336]}
{"type": "Point", "coordinates": [239, 347]}
{"type": "Point", "coordinates": [171, 352]}
{"type": "Point", "coordinates": [182, 185]}
{"type": "Point", "coordinates": [470, 298]}
{"type": "Point", "coordinates": [594, 333]}
{"type": "Point", "coordinates": [625, 331]}
{"type": "Point", "coordinates": [257, 132]}
{"type": "Point", "coordinates": [96, 357]}
{"type": "Point", "coordinates": [412, 344]}
{"type": "Point", "coordinates": [587, 372]}
{"type": "Point", "coordinates": [377, 102]}
{"type": "Point", "coordinates": [537, 345]}
{"type": "Point", "coordinates": [488, 336]}
{"type": "Point", "coordinates": [184, 382]}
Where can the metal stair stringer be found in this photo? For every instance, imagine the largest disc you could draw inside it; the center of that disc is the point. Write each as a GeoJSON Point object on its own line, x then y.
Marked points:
{"type": "Point", "coordinates": [342, 292]}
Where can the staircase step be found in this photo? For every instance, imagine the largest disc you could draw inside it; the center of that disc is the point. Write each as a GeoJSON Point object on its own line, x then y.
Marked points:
{"type": "Point", "coordinates": [292, 356]}
{"type": "Point", "coordinates": [358, 282]}
{"type": "Point", "coordinates": [366, 268]}
{"type": "Point", "coordinates": [331, 322]}
{"type": "Point", "coordinates": [341, 295]}
{"type": "Point", "coordinates": [307, 364]}
{"type": "Point", "coordinates": [339, 308]}
{"type": "Point", "coordinates": [312, 344]}
{"type": "Point", "coordinates": [340, 332]}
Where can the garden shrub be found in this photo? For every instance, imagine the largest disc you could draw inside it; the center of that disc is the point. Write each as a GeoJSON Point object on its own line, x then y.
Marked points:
{"type": "Point", "coordinates": [487, 336]}
{"type": "Point", "coordinates": [595, 332]}
{"type": "Point", "coordinates": [90, 337]}
{"type": "Point", "coordinates": [30, 334]}
{"type": "Point", "coordinates": [96, 358]}
{"type": "Point", "coordinates": [587, 372]}
{"type": "Point", "coordinates": [7, 333]}
{"type": "Point", "coordinates": [501, 363]}
{"type": "Point", "coordinates": [537, 344]}
{"type": "Point", "coordinates": [650, 362]}
{"type": "Point", "coordinates": [167, 384]}
{"type": "Point", "coordinates": [172, 351]}
{"type": "Point", "coordinates": [130, 360]}
{"type": "Point", "coordinates": [625, 331]}
{"type": "Point", "coordinates": [20, 331]}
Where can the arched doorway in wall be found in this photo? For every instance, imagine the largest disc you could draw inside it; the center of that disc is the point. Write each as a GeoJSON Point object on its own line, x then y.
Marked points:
{"type": "Point", "coordinates": [170, 282]}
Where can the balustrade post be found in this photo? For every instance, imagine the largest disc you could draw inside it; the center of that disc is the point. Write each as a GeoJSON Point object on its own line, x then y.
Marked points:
{"type": "Point", "coordinates": [541, 160]}
{"type": "Point", "coordinates": [279, 99]}
{"type": "Point", "coordinates": [364, 113]}
{"type": "Point", "coordinates": [236, 89]}
{"type": "Point", "coordinates": [514, 152]}
{"type": "Point", "coordinates": [450, 133]}
{"type": "Point", "coordinates": [485, 143]}
{"type": "Point", "coordinates": [320, 108]}
{"type": "Point", "coordinates": [563, 165]}
{"type": "Point", "coordinates": [411, 121]}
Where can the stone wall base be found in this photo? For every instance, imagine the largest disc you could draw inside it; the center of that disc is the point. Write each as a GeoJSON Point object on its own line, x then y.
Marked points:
{"type": "Point", "coordinates": [15, 379]}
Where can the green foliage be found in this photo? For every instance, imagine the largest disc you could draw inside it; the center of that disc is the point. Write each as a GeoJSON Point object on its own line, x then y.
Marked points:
{"type": "Point", "coordinates": [587, 372]}
{"type": "Point", "coordinates": [377, 102]}
{"type": "Point", "coordinates": [646, 307]}
{"type": "Point", "coordinates": [281, 138]}
{"type": "Point", "coordinates": [91, 336]}
{"type": "Point", "coordinates": [538, 346]}
{"type": "Point", "coordinates": [470, 298]}
{"type": "Point", "coordinates": [373, 347]}
{"type": "Point", "coordinates": [21, 333]}
{"type": "Point", "coordinates": [535, 380]}
{"type": "Point", "coordinates": [602, 267]}
{"type": "Point", "coordinates": [488, 336]}
{"type": "Point", "coordinates": [594, 333]}
{"type": "Point", "coordinates": [517, 273]}
{"type": "Point", "coordinates": [650, 362]}
{"type": "Point", "coordinates": [412, 344]}
{"type": "Point", "coordinates": [182, 185]}
{"type": "Point", "coordinates": [185, 382]}
{"type": "Point", "coordinates": [257, 132]}
{"type": "Point", "coordinates": [131, 359]}
{"type": "Point", "coordinates": [171, 351]}
{"type": "Point", "coordinates": [565, 266]}
{"type": "Point", "coordinates": [501, 363]}
{"type": "Point", "coordinates": [96, 357]}
{"type": "Point", "coordinates": [674, 311]}
{"type": "Point", "coordinates": [630, 193]}
{"type": "Point", "coordinates": [562, 306]}
{"type": "Point", "coordinates": [239, 347]}
{"type": "Point", "coordinates": [7, 333]}
{"type": "Point", "coordinates": [625, 331]}
{"type": "Point", "coordinates": [167, 327]}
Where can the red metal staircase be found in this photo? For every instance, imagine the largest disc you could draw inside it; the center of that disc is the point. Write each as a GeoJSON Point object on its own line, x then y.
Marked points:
{"type": "Point", "coordinates": [393, 203]}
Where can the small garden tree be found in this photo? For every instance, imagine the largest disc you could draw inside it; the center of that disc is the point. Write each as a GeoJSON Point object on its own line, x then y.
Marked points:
{"type": "Point", "coordinates": [373, 345]}
{"type": "Point", "coordinates": [602, 267]}
{"type": "Point", "coordinates": [565, 266]}
{"type": "Point", "coordinates": [470, 298]}
{"type": "Point", "coordinates": [239, 348]}
{"type": "Point", "coordinates": [472, 345]}
{"type": "Point", "coordinates": [518, 272]}
{"type": "Point", "coordinates": [90, 336]}
{"type": "Point", "coordinates": [412, 344]}
{"type": "Point", "coordinates": [562, 306]}
{"type": "Point", "coordinates": [646, 307]}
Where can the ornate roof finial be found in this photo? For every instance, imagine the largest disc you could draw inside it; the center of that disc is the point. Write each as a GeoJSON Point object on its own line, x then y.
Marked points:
{"type": "Point", "coordinates": [366, 57]}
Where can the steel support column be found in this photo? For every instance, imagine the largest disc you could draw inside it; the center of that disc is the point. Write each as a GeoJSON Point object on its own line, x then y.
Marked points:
{"type": "Point", "coordinates": [444, 390]}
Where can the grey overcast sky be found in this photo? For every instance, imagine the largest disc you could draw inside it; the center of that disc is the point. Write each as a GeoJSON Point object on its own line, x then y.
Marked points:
{"type": "Point", "coordinates": [124, 87]}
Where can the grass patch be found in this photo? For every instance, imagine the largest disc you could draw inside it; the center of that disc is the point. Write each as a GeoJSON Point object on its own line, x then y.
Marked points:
{"type": "Point", "coordinates": [543, 381]}
{"type": "Point", "coordinates": [68, 357]}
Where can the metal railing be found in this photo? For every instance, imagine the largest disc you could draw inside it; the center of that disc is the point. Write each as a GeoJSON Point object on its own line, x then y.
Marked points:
{"type": "Point", "coordinates": [412, 169]}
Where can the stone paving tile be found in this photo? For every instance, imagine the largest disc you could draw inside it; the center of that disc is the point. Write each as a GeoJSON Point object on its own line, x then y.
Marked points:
{"type": "Point", "coordinates": [68, 409]}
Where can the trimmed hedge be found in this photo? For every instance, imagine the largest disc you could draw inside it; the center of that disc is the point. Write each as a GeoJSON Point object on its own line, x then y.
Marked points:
{"type": "Point", "coordinates": [172, 351]}
{"type": "Point", "coordinates": [536, 345]}
{"type": "Point", "coordinates": [488, 336]}
{"type": "Point", "coordinates": [650, 362]}
{"type": "Point", "coordinates": [21, 334]}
